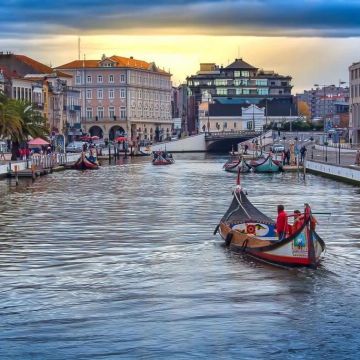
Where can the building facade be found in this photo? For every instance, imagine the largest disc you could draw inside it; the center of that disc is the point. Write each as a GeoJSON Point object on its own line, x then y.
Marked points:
{"type": "Point", "coordinates": [123, 96]}
{"type": "Point", "coordinates": [323, 103]}
{"type": "Point", "coordinates": [354, 81]}
{"type": "Point", "coordinates": [241, 84]}
{"type": "Point", "coordinates": [47, 90]}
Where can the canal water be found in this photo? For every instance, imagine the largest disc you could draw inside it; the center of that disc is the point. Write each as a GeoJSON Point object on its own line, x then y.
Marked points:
{"type": "Point", "coordinates": [121, 263]}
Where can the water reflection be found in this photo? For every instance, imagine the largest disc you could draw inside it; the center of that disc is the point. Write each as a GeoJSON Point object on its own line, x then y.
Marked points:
{"type": "Point", "coordinates": [122, 263]}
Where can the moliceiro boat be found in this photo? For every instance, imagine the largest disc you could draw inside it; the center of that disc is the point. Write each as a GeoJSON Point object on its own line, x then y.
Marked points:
{"type": "Point", "coordinates": [246, 229]}
{"type": "Point", "coordinates": [84, 163]}
{"type": "Point", "coordinates": [267, 164]}
{"type": "Point", "coordinates": [234, 164]}
{"type": "Point", "coordinates": [162, 158]}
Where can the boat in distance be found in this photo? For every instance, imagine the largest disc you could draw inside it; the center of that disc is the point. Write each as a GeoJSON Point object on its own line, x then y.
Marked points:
{"type": "Point", "coordinates": [86, 163]}
{"type": "Point", "coordinates": [162, 158]}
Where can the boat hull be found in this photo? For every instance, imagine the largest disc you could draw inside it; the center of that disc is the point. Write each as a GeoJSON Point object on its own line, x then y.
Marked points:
{"type": "Point", "coordinates": [84, 163]}
{"type": "Point", "coordinates": [162, 162]}
{"type": "Point", "coordinates": [304, 249]}
{"type": "Point", "coordinates": [268, 166]}
{"type": "Point", "coordinates": [236, 166]}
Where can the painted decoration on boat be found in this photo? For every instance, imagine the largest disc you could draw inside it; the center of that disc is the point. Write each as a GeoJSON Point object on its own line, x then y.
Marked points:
{"type": "Point", "coordinates": [299, 246]}
{"type": "Point", "coordinates": [255, 229]}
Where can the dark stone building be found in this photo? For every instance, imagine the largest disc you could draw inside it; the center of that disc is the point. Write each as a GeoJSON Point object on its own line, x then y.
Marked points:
{"type": "Point", "coordinates": [242, 84]}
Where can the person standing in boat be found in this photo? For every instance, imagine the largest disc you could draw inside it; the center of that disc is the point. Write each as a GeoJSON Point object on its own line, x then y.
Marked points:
{"type": "Point", "coordinates": [281, 222]}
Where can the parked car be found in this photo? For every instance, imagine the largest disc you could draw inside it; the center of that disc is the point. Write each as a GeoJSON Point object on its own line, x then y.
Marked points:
{"type": "Point", "coordinates": [75, 146]}
{"type": "Point", "coordinates": [278, 148]}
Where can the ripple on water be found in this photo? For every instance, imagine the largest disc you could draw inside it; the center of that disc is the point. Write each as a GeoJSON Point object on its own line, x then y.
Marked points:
{"type": "Point", "coordinates": [122, 263]}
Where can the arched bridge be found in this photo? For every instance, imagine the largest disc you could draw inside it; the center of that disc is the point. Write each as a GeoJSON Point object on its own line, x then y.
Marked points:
{"type": "Point", "coordinates": [223, 141]}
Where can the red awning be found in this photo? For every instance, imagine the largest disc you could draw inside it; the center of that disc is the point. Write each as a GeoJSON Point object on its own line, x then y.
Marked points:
{"type": "Point", "coordinates": [120, 139]}
{"type": "Point", "coordinates": [38, 141]}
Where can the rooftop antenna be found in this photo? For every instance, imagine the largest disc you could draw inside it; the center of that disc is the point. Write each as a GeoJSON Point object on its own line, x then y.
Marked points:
{"type": "Point", "coordinates": [79, 48]}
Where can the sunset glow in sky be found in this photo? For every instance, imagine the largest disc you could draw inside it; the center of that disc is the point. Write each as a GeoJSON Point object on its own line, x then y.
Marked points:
{"type": "Point", "coordinates": [313, 40]}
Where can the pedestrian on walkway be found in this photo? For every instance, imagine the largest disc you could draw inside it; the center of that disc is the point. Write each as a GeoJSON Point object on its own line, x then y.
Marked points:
{"type": "Point", "coordinates": [357, 159]}
{"type": "Point", "coordinates": [303, 151]}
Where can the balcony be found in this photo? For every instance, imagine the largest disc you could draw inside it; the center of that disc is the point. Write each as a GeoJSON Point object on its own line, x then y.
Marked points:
{"type": "Point", "coordinates": [102, 119]}
{"type": "Point", "coordinates": [72, 107]}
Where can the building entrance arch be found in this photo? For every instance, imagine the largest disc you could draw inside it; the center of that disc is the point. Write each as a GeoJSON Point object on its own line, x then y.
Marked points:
{"type": "Point", "coordinates": [116, 131]}
{"type": "Point", "coordinates": [96, 131]}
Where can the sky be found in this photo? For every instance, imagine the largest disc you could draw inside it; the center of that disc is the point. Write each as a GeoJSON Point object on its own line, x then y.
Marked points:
{"type": "Point", "coordinates": [314, 41]}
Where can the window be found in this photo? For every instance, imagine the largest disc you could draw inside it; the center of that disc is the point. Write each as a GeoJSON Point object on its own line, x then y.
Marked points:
{"type": "Point", "coordinates": [261, 82]}
{"type": "Point", "coordinates": [221, 91]}
{"type": "Point", "coordinates": [88, 93]}
{"type": "Point", "coordinates": [89, 79]}
{"type": "Point", "coordinates": [139, 94]}
{"type": "Point", "coordinates": [100, 93]}
{"type": "Point", "coordinates": [123, 112]}
{"type": "Point", "coordinates": [122, 93]}
{"type": "Point", "coordinates": [220, 82]}
{"type": "Point", "coordinates": [263, 91]}
{"type": "Point", "coordinates": [78, 79]}
{"type": "Point", "coordinates": [237, 73]}
{"type": "Point", "coordinates": [89, 112]}
{"type": "Point", "coordinates": [100, 79]}
{"type": "Point", "coordinates": [111, 112]}
{"type": "Point", "coordinates": [245, 73]}
{"type": "Point", "coordinates": [100, 112]}
{"type": "Point", "coordinates": [249, 125]}
{"type": "Point", "coordinates": [111, 94]}
{"type": "Point", "coordinates": [234, 125]}
{"type": "Point", "coordinates": [111, 78]}
{"type": "Point", "coordinates": [122, 78]}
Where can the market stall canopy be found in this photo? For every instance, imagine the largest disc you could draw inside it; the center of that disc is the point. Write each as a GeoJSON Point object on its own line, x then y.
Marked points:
{"type": "Point", "coordinates": [38, 141]}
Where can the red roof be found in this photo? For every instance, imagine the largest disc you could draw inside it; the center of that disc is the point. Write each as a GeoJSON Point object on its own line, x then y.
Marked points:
{"type": "Point", "coordinates": [119, 62]}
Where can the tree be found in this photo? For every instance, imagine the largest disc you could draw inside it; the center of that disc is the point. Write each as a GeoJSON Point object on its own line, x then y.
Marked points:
{"type": "Point", "coordinates": [10, 121]}
{"type": "Point", "coordinates": [303, 110]}
{"type": "Point", "coordinates": [19, 121]}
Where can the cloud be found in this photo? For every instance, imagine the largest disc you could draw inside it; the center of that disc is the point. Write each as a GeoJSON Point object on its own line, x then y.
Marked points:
{"type": "Point", "coordinates": [324, 18]}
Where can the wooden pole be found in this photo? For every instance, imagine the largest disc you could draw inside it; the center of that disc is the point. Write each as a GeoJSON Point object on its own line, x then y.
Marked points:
{"type": "Point", "coordinates": [16, 175]}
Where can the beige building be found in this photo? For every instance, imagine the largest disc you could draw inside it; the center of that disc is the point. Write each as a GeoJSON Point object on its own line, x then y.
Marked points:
{"type": "Point", "coordinates": [23, 78]}
{"type": "Point", "coordinates": [123, 96]}
{"type": "Point", "coordinates": [354, 123]}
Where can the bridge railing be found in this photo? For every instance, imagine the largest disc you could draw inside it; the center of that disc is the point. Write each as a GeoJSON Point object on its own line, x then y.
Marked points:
{"type": "Point", "coordinates": [222, 134]}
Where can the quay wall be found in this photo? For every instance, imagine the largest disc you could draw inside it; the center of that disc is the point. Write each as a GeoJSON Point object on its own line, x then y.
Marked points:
{"type": "Point", "coordinates": [350, 174]}
{"type": "Point", "coordinates": [23, 165]}
{"type": "Point", "coordinates": [195, 143]}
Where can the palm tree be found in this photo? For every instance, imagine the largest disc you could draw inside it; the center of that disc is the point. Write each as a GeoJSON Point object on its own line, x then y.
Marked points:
{"type": "Point", "coordinates": [10, 120]}
{"type": "Point", "coordinates": [19, 121]}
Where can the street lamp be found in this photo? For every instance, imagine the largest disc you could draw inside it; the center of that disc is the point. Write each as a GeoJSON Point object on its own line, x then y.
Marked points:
{"type": "Point", "coordinates": [326, 145]}
{"type": "Point", "coordinates": [312, 148]}
{"type": "Point", "coordinates": [324, 86]}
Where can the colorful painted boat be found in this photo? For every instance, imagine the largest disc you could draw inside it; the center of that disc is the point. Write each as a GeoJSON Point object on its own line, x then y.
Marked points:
{"type": "Point", "coordinates": [233, 165]}
{"type": "Point", "coordinates": [267, 164]}
{"type": "Point", "coordinates": [86, 163]}
{"type": "Point", "coordinates": [247, 230]}
{"type": "Point", "coordinates": [162, 158]}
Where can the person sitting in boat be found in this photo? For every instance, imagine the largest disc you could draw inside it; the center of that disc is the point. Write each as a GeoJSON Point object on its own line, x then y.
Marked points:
{"type": "Point", "coordinates": [281, 225]}
{"type": "Point", "coordinates": [298, 221]}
